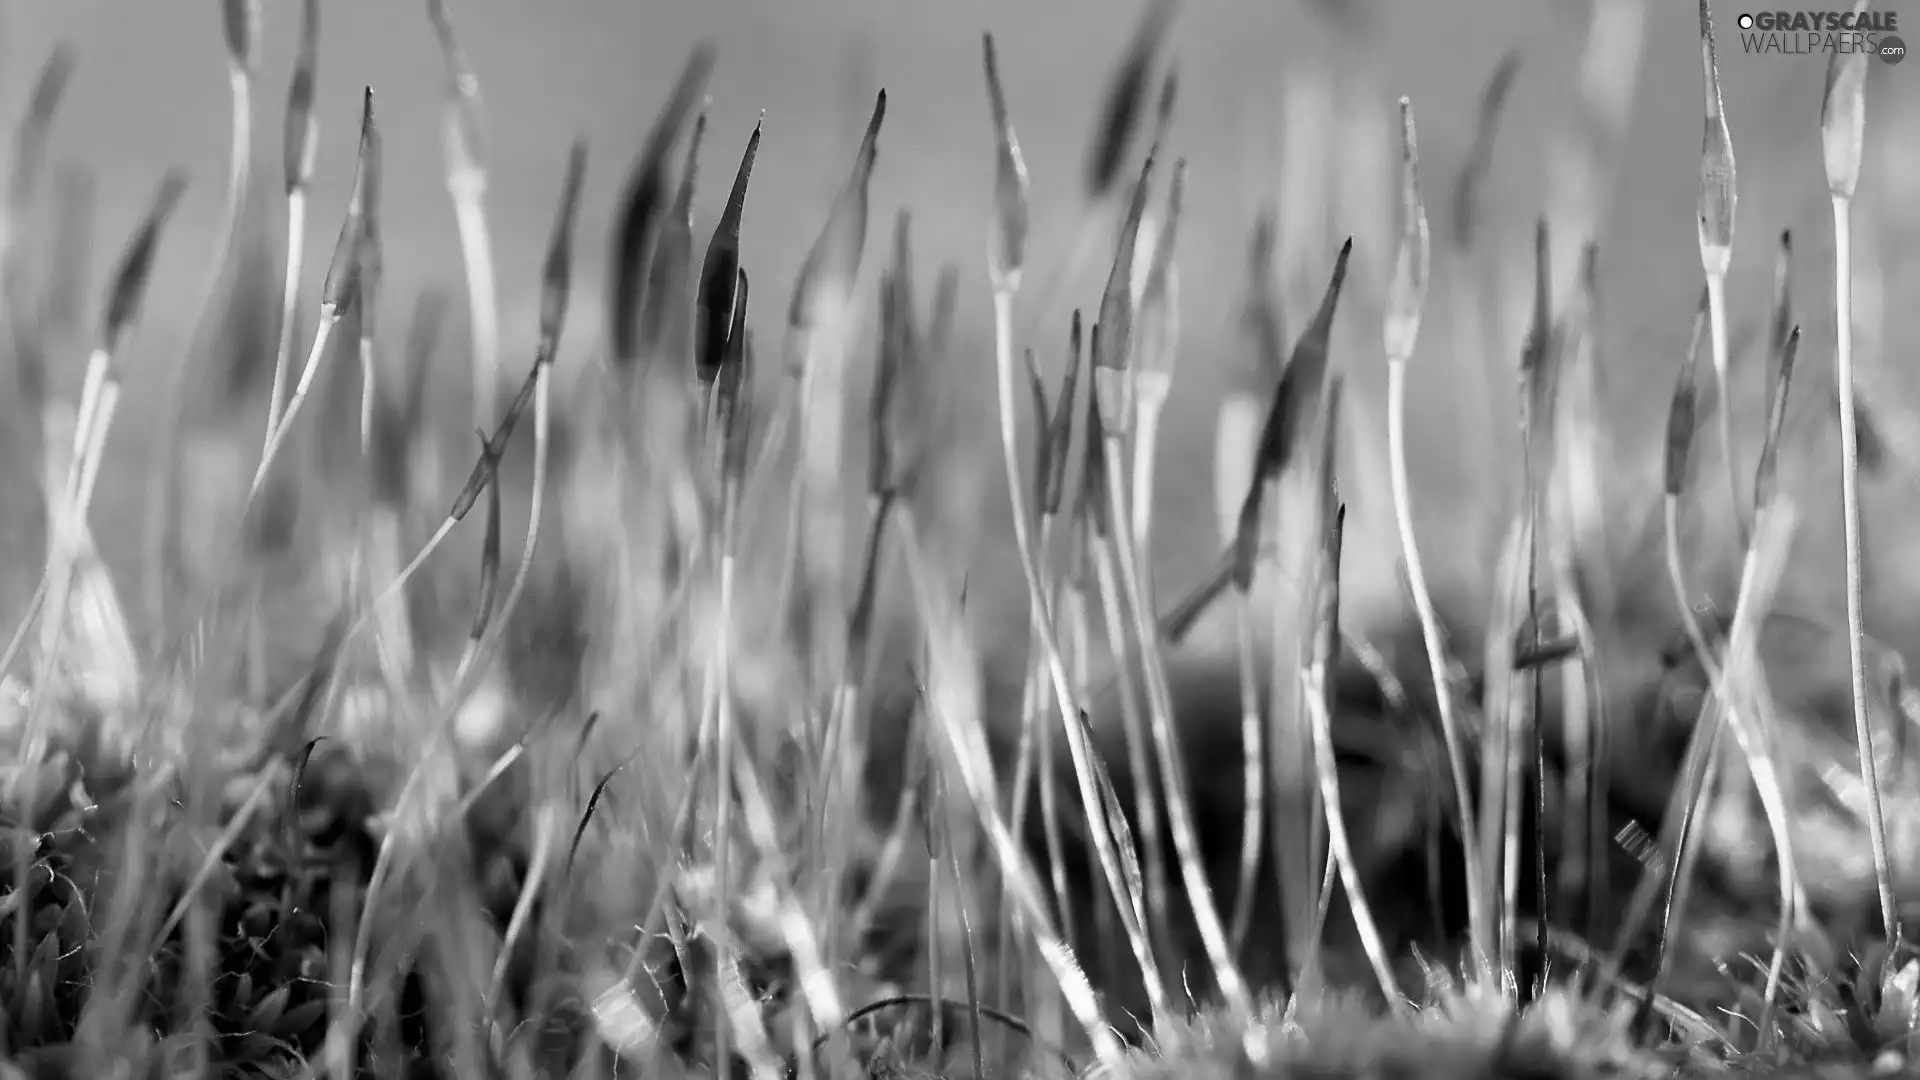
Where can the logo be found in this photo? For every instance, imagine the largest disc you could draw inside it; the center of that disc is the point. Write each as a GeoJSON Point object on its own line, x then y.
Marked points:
{"type": "Point", "coordinates": [1807, 33]}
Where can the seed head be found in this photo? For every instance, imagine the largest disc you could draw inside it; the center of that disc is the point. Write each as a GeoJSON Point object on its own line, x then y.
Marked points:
{"type": "Point", "coordinates": [634, 235]}
{"type": "Point", "coordinates": [241, 20]}
{"type": "Point", "coordinates": [1112, 377]}
{"type": "Point", "coordinates": [1717, 193]}
{"type": "Point", "coordinates": [464, 133]}
{"type": "Point", "coordinates": [343, 273]}
{"type": "Point", "coordinates": [1681, 414]}
{"type": "Point", "coordinates": [302, 132]}
{"type": "Point", "coordinates": [1007, 246]}
{"type": "Point", "coordinates": [136, 263]}
{"type": "Point", "coordinates": [1294, 402]}
{"type": "Point", "coordinates": [1160, 300]}
{"type": "Point", "coordinates": [1843, 117]}
{"type": "Point", "coordinates": [1407, 295]}
{"type": "Point", "coordinates": [557, 274]}
{"type": "Point", "coordinates": [824, 286]}
{"type": "Point", "coordinates": [30, 140]}
{"type": "Point", "coordinates": [666, 318]}
{"type": "Point", "coordinates": [1126, 99]}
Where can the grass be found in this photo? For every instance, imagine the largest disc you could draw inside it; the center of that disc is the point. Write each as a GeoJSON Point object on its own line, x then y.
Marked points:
{"type": "Point", "coordinates": [653, 807]}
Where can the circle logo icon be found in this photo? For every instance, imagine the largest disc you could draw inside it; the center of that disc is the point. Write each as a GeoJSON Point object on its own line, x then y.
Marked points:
{"type": "Point", "coordinates": [1892, 50]}
{"type": "Point", "coordinates": [1746, 22]}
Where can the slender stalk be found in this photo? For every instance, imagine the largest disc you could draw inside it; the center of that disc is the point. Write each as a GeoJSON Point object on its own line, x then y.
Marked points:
{"type": "Point", "coordinates": [1843, 123]}
{"type": "Point", "coordinates": [1340, 845]}
{"type": "Point", "coordinates": [322, 337]}
{"type": "Point", "coordinates": [1186, 842]}
{"type": "Point", "coordinates": [1856, 619]}
{"type": "Point", "coordinates": [948, 701]}
{"type": "Point", "coordinates": [1478, 918]}
{"type": "Point", "coordinates": [1146, 802]}
{"type": "Point", "coordinates": [1041, 610]}
{"type": "Point", "coordinates": [466, 177]}
{"type": "Point", "coordinates": [724, 751]}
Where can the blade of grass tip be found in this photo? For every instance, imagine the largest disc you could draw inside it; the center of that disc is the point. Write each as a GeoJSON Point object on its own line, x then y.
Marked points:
{"type": "Point", "coordinates": [464, 142]}
{"type": "Point", "coordinates": [338, 292]}
{"type": "Point", "coordinates": [666, 320]}
{"type": "Point", "coordinates": [1006, 264]}
{"type": "Point", "coordinates": [819, 316]}
{"type": "Point", "coordinates": [720, 273]}
{"type": "Point", "coordinates": [1406, 305]}
{"type": "Point", "coordinates": [1158, 361]}
{"type": "Point", "coordinates": [301, 144]}
{"type": "Point", "coordinates": [1766, 472]}
{"type": "Point", "coordinates": [1843, 121]}
{"type": "Point", "coordinates": [1289, 415]}
{"type": "Point", "coordinates": [1113, 365]}
{"type": "Point", "coordinates": [646, 194]}
{"type": "Point", "coordinates": [1717, 198]}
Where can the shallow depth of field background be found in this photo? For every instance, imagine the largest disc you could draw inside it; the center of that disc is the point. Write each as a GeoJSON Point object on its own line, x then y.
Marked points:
{"type": "Point", "coordinates": [151, 91]}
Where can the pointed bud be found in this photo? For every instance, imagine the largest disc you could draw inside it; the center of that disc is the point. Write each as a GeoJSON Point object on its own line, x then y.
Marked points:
{"type": "Point", "coordinates": [720, 274]}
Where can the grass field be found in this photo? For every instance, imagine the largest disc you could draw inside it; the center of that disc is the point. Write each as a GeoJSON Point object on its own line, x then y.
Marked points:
{"type": "Point", "coordinates": [817, 671]}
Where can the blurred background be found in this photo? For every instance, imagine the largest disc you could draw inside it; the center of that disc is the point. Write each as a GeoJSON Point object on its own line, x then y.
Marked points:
{"type": "Point", "coordinates": [1283, 103]}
